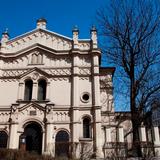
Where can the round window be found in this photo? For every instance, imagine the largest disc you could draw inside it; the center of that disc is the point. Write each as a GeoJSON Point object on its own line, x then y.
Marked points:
{"type": "Point", "coordinates": [85, 97]}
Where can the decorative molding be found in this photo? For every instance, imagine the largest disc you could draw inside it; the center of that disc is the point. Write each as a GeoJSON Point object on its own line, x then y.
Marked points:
{"type": "Point", "coordinates": [84, 61]}
{"type": "Point", "coordinates": [17, 73]}
{"type": "Point", "coordinates": [42, 37]}
{"type": "Point", "coordinates": [61, 116]}
{"type": "Point", "coordinates": [58, 71]}
{"type": "Point", "coordinates": [85, 71]}
{"type": "Point", "coordinates": [83, 45]}
{"type": "Point", "coordinates": [60, 78]}
{"type": "Point", "coordinates": [13, 72]}
{"type": "Point", "coordinates": [84, 78]}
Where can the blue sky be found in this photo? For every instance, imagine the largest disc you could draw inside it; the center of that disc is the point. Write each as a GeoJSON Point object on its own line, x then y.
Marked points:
{"type": "Point", "coordinates": [20, 16]}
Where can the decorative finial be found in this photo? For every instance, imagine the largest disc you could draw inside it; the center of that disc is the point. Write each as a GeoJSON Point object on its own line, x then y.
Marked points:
{"type": "Point", "coordinates": [5, 32]}
{"type": "Point", "coordinates": [75, 32]}
{"type": "Point", "coordinates": [41, 23]}
{"type": "Point", "coordinates": [93, 28]}
{"type": "Point", "coordinates": [75, 29]}
{"type": "Point", "coordinates": [93, 32]}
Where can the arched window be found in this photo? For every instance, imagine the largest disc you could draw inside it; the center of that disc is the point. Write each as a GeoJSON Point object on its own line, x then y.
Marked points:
{"type": "Point", "coordinates": [39, 59]}
{"type": "Point", "coordinates": [28, 90]}
{"type": "Point", "coordinates": [36, 58]}
{"type": "Point", "coordinates": [3, 139]}
{"type": "Point", "coordinates": [42, 90]}
{"type": "Point", "coordinates": [86, 128]}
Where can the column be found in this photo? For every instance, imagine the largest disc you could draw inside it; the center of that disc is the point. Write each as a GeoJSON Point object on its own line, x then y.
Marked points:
{"type": "Point", "coordinates": [34, 91]}
{"type": "Point", "coordinates": [49, 140]}
{"type": "Point", "coordinates": [14, 137]}
{"type": "Point", "coordinates": [156, 141]}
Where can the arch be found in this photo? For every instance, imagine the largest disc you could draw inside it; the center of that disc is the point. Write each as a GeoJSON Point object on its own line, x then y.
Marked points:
{"type": "Point", "coordinates": [86, 127]}
{"type": "Point", "coordinates": [62, 144]}
{"type": "Point", "coordinates": [28, 90]}
{"type": "Point", "coordinates": [33, 137]}
{"type": "Point", "coordinates": [42, 85]}
{"type": "Point", "coordinates": [31, 120]}
{"type": "Point", "coordinates": [3, 139]}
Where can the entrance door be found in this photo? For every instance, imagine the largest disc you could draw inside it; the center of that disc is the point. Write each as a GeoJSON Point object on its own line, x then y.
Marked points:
{"type": "Point", "coordinates": [33, 137]}
{"type": "Point", "coordinates": [62, 144]}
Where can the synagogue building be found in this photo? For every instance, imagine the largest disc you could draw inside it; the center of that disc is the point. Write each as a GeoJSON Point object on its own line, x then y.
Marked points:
{"type": "Point", "coordinates": [56, 99]}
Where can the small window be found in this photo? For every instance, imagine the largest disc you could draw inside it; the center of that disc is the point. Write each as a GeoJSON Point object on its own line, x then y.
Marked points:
{"type": "Point", "coordinates": [28, 90]}
{"type": "Point", "coordinates": [3, 139]}
{"type": "Point", "coordinates": [42, 90]}
{"type": "Point", "coordinates": [85, 97]}
{"type": "Point", "coordinates": [86, 128]}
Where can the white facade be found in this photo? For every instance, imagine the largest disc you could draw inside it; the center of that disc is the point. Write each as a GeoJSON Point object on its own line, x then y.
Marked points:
{"type": "Point", "coordinates": [56, 83]}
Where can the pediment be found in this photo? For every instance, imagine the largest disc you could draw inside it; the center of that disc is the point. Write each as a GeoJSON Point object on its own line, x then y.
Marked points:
{"type": "Point", "coordinates": [39, 36]}
{"type": "Point", "coordinates": [34, 74]}
{"type": "Point", "coordinates": [32, 106]}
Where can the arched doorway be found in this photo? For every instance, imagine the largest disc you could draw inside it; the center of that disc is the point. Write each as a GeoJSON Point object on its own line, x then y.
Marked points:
{"type": "Point", "coordinates": [62, 144]}
{"type": "Point", "coordinates": [33, 137]}
{"type": "Point", "coordinates": [3, 139]}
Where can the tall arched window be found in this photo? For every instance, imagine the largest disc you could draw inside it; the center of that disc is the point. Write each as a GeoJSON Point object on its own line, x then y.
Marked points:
{"type": "Point", "coordinates": [28, 90]}
{"type": "Point", "coordinates": [86, 128]}
{"type": "Point", "coordinates": [42, 90]}
{"type": "Point", "coordinates": [3, 139]}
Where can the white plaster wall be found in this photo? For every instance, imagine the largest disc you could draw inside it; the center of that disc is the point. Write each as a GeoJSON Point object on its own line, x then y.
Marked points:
{"type": "Point", "coordinates": [8, 93]}
{"type": "Point", "coordinates": [60, 92]}
{"type": "Point", "coordinates": [85, 86]}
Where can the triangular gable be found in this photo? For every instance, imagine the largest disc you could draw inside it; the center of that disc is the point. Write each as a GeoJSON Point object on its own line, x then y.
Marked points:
{"type": "Point", "coordinates": [33, 105]}
{"type": "Point", "coordinates": [44, 37]}
{"type": "Point", "coordinates": [34, 72]}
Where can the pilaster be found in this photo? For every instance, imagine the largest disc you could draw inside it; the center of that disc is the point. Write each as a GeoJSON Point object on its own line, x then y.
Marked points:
{"type": "Point", "coordinates": [96, 105]}
{"type": "Point", "coordinates": [75, 102]}
{"type": "Point", "coordinates": [14, 136]}
{"type": "Point", "coordinates": [49, 141]}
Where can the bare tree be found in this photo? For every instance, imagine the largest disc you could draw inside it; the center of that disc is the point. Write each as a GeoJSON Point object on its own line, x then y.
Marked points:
{"type": "Point", "coordinates": [131, 41]}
